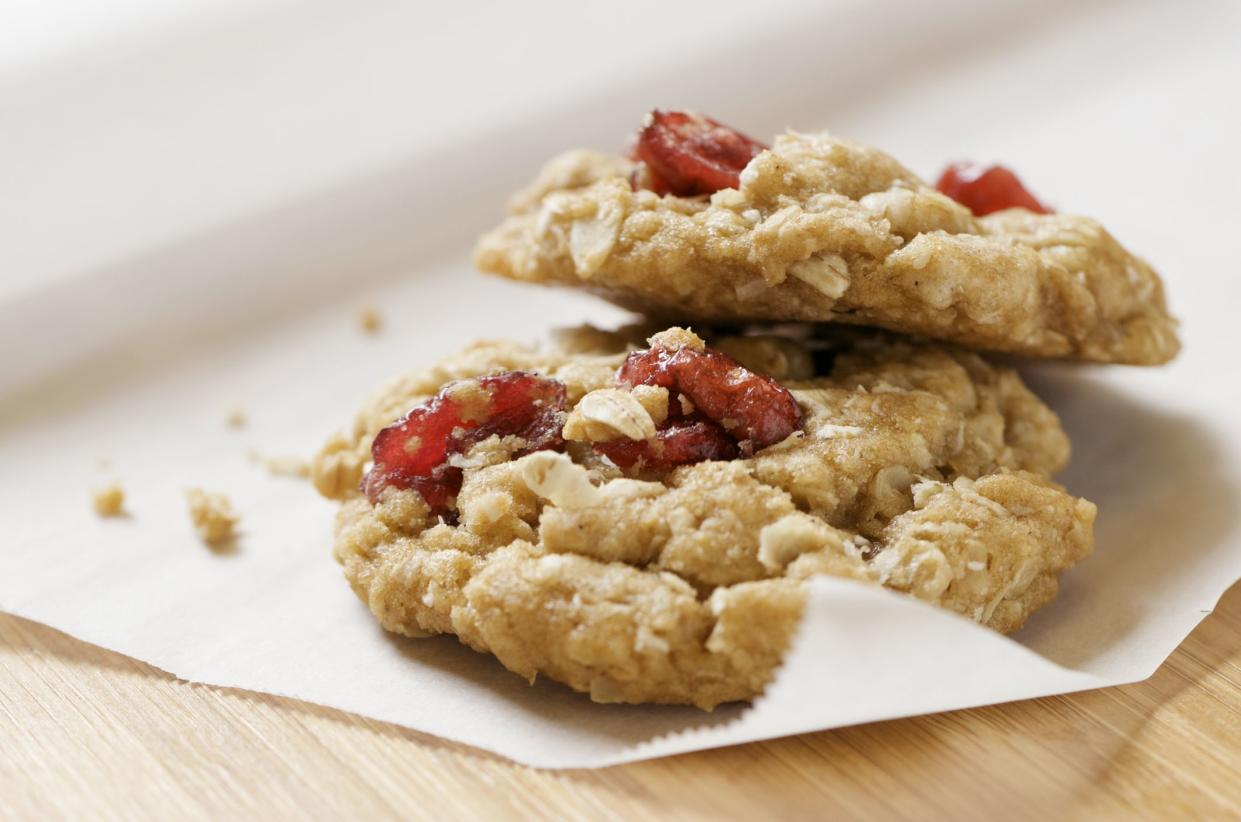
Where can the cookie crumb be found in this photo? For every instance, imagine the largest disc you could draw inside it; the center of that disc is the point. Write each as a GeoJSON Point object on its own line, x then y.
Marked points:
{"type": "Point", "coordinates": [281, 466]}
{"type": "Point", "coordinates": [674, 338]}
{"type": "Point", "coordinates": [236, 418]}
{"type": "Point", "coordinates": [370, 320]}
{"type": "Point", "coordinates": [212, 515]}
{"type": "Point", "coordinates": [337, 470]}
{"type": "Point", "coordinates": [109, 501]}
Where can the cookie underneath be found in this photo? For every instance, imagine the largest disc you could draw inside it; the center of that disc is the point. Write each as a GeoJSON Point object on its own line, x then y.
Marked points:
{"type": "Point", "coordinates": [920, 468]}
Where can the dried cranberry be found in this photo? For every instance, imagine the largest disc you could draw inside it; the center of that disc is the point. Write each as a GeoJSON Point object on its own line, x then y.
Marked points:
{"type": "Point", "coordinates": [986, 189]}
{"type": "Point", "coordinates": [753, 408]}
{"type": "Point", "coordinates": [681, 442]}
{"type": "Point", "coordinates": [414, 451]}
{"type": "Point", "coordinates": [735, 411]}
{"type": "Point", "coordinates": [686, 153]}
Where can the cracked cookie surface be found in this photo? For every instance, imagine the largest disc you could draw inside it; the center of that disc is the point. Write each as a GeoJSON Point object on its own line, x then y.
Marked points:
{"type": "Point", "coordinates": [918, 467]}
{"type": "Point", "coordinates": [822, 229]}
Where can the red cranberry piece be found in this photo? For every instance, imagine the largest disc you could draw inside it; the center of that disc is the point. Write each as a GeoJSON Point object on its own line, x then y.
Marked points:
{"type": "Point", "coordinates": [650, 367]}
{"type": "Point", "coordinates": [986, 189]}
{"type": "Point", "coordinates": [413, 452]}
{"type": "Point", "coordinates": [680, 443]}
{"type": "Point", "coordinates": [753, 408]}
{"type": "Point", "coordinates": [686, 153]}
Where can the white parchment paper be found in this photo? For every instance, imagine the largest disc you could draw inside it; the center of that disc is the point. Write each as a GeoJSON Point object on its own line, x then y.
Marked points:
{"type": "Point", "coordinates": [138, 363]}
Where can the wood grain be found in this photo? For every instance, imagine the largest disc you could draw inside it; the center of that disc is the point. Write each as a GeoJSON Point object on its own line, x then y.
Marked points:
{"type": "Point", "coordinates": [88, 733]}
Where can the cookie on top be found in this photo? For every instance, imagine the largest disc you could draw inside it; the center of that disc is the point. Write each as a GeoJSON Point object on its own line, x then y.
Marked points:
{"type": "Point", "coordinates": [702, 224]}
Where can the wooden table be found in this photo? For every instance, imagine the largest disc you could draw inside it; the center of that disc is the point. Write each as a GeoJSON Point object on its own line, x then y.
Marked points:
{"type": "Point", "coordinates": [89, 733]}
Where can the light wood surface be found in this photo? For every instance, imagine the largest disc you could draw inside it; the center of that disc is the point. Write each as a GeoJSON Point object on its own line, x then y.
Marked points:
{"type": "Point", "coordinates": [86, 733]}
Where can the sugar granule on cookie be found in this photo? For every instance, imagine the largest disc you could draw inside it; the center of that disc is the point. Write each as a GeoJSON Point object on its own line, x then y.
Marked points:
{"type": "Point", "coordinates": [109, 501]}
{"type": "Point", "coordinates": [637, 518]}
{"type": "Point", "coordinates": [212, 515]}
{"type": "Point", "coordinates": [702, 223]}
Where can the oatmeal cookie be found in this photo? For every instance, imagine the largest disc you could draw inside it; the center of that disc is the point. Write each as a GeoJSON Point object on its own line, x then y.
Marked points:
{"type": "Point", "coordinates": [822, 229]}
{"type": "Point", "coordinates": [680, 577]}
